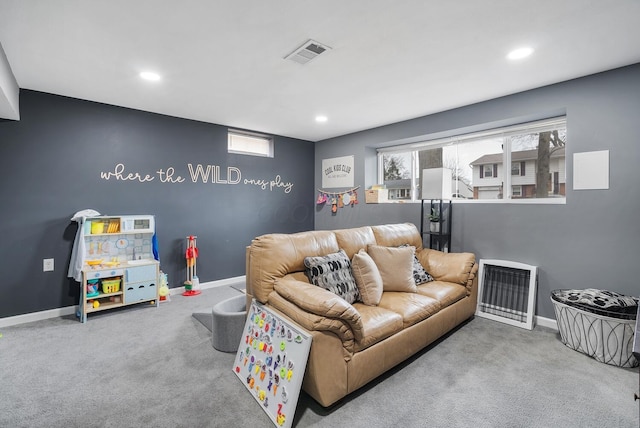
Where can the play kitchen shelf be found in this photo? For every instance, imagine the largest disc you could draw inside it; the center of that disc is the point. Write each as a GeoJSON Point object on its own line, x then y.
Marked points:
{"type": "Point", "coordinates": [108, 288]}
{"type": "Point", "coordinates": [126, 224]}
{"type": "Point", "coordinates": [119, 268]}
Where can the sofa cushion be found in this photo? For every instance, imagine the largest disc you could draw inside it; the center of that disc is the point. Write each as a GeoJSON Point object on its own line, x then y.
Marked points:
{"type": "Point", "coordinates": [394, 235]}
{"type": "Point", "coordinates": [333, 272]}
{"type": "Point", "coordinates": [396, 267]}
{"type": "Point", "coordinates": [367, 278]}
{"type": "Point", "coordinates": [377, 324]}
{"type": "Point", "coordinates": [412, 307]}
{"type": "Point", "coordinates": [446, 293]}
{"type": "Point", "coordinates": [354, 240]}
{"type": "Point", "coordinates": [420, 276]}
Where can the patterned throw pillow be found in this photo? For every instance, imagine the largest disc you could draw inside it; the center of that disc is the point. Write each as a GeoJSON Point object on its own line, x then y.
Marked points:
{"type": "Point", "coordinates": [419, 274]}
{"type": "Point", "coordinates": [333, 272]}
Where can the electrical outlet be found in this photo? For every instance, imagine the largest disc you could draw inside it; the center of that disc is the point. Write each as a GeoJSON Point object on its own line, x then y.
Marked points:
{"type": "Point", "coordinates": [47, 265]}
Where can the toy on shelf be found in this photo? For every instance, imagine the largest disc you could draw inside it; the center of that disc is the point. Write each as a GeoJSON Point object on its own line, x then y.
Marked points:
{"type": "Point", "coordinates": [192, 284]}
{"type": "Point", "coordinates": [92, 288]}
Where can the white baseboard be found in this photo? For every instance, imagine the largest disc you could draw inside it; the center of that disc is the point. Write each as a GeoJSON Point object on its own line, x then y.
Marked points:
{"type": "Point", "coordinates": [37, 316]}
{"type": "Point", "coordinates": [71, 310]}
{"type": "Point", "coordinates": [212, 284]}
{"type": "Point", "coordinates": [547, 322]}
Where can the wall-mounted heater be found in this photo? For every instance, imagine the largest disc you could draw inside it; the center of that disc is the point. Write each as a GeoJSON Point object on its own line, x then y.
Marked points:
{"type": "Point", "coordinates": [507, 292]}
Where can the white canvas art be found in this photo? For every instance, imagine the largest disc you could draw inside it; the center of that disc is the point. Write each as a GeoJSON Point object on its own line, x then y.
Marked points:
{"type": "Point", "coordinates": [337, 172]}
{"type": "Point", "coordinates": [591, 170]}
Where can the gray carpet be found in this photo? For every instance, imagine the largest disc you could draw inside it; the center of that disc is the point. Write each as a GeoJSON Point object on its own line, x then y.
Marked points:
{"type": "Point", "coordinates": [155, 367]}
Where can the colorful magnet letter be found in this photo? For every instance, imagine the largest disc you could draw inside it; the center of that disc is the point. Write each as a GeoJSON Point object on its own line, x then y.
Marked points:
{"type": "Point", "coordinates": [280, 416]}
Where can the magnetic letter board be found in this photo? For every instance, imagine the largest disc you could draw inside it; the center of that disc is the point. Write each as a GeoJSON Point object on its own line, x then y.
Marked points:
{"type": "Point", "coordinates": [271, 361]}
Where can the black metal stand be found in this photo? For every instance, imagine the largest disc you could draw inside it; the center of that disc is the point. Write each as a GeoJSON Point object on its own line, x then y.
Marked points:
{"type": "Point", "coordinates": [438, 232]}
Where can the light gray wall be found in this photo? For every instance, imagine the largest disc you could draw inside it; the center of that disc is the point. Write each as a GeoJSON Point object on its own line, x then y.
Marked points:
{"type": "Point", "coordinates": [591, 242]}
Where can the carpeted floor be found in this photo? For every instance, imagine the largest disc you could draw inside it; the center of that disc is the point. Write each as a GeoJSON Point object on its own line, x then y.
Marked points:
{"type": "Point", "coordinates": [155, 367]}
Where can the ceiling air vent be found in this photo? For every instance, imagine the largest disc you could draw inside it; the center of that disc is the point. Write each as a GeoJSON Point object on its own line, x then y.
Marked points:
{"type": "Point", "coordinates": [308, 51]}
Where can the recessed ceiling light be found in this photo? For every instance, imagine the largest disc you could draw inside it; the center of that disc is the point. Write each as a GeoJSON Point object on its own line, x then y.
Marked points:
{"type": "Point", "coordinates": [321, 119]}
{"type": "Point", "coordinates": [520, 53]}
{"type": "Point", "coordinates": [150, 75]}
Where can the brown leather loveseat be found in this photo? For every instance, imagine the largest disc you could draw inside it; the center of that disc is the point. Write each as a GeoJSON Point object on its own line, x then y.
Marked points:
{"type": "Point", "coordinates": [355, 343]}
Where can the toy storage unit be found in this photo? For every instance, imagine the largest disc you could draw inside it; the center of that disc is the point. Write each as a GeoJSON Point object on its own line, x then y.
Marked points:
{"type": "Point", "coordinates": [119, 268]}
{"type": "Point", "coordinates": [606, 334]}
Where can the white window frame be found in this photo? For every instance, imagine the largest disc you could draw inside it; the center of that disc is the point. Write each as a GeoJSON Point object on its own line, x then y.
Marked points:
{"type": "Point", "coordinates": [505, 132]}
{"type": "Point", "coordinates": [249, 143]}
{"type": "Point", "coordinates": [516, 194]}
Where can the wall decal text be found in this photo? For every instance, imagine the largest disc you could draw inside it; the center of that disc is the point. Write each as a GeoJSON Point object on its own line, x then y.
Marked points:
{"type": "Point", "coordinates": [199, 173]}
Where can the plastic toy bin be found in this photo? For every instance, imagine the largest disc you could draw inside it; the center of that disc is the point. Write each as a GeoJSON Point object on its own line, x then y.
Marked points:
{"type": "Point", "coordinates": [594, 323]}
{"type": "Point", "coordinates": [111, 285]}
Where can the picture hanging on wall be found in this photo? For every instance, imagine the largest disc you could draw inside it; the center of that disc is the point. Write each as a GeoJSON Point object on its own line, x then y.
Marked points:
{"type": "Point", "coordinates": [271, 361]}
{"type": "Point", "coordinates": [337, 172]}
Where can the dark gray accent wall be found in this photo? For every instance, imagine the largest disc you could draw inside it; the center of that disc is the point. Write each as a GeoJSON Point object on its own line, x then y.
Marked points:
{"type": "Point", "coordinates": [51, 163]}
{"type": "Point", "coordinates": [591, 242]}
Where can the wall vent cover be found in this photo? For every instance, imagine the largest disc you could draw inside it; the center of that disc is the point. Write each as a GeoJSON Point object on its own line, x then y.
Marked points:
{"type": "Point", "coordinates": [507, 292]}
{"type": "Point", "coordinates": [308, 51]}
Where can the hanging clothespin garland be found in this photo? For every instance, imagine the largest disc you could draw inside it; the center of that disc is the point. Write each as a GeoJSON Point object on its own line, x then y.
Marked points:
{"type": "Point", "coordinates": [338, 199]}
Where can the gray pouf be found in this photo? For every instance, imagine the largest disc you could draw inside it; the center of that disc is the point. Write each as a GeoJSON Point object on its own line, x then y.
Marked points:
{"type": "Point", "coordinates": [228, 323]}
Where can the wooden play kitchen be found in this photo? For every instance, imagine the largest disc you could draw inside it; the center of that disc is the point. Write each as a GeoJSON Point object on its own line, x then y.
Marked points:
{"type": "Point", "coordinates": [119, 266]}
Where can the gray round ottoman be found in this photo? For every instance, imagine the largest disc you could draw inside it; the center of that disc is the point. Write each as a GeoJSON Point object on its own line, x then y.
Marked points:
{"type": "Point", "coordinates": [228, 323]}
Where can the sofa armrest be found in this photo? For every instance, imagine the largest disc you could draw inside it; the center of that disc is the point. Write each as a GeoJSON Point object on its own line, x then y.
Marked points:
{"type": "Point", "coordinates": [329, 311]}
{"type": "Point", "coordinates": [473, 277]}
{"type": "Point", "coordinates": [459, 268]}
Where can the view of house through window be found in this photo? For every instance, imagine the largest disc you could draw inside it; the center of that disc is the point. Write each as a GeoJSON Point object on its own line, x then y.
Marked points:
{"type": "Point", "coordinates": [520, 162]}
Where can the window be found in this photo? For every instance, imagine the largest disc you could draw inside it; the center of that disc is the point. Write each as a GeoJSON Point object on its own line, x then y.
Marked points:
{"type": "Point", "coordinates": [487, 171]}
{"type": "Point", "coordinates": [398, 170]}
{"type": "Point", "coordinates": [534, 153]}
{"type": "Point", "coordinates": [246, 143]}
{"type": "Point", "coordinates": [516, 191]}
{"type": "Point", "coordinates": [517, 168]}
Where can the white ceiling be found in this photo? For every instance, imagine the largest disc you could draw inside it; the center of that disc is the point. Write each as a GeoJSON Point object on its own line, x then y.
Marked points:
{"type": "Point", "coordinates": [222, 61]}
